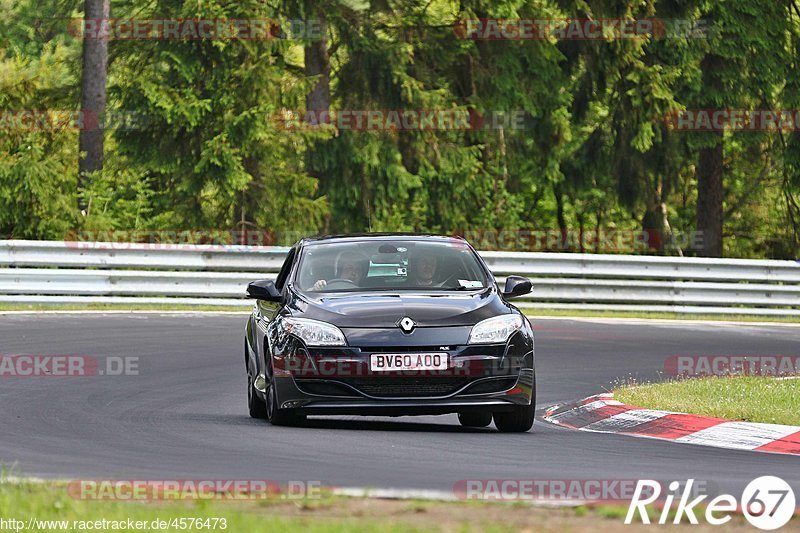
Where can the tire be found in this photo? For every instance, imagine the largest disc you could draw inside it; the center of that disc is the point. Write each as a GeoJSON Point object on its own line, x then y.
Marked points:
{"type": "Point", "coordinates": [275, 415]}
{"type": "Point", "coordinates": [255, 405]}
{"type": "Point", "coordinates": [517, 421]}
{"type": "Point", "coordinates": [475, 420]}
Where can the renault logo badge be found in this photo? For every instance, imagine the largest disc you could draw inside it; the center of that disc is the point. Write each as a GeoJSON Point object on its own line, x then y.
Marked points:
{"type": "Point", "coordinates": [407, 325]}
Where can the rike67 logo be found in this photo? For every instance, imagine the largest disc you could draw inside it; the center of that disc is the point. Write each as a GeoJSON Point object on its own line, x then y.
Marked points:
{"type": "Point", "coordinates": [768, 503]}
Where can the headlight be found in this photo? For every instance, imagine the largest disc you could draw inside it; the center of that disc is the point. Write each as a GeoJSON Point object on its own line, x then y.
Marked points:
{"type": "Point", "coordinates": [314, 332]}
{"type": "Point", "coordinates": [495, 330]}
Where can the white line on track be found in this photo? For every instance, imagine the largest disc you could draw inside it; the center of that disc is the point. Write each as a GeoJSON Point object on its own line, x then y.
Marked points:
{"type": "Point", "coordinates": [676, 321]}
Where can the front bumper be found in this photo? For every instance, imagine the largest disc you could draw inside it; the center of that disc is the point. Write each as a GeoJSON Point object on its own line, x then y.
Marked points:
{"type": "Point", "coordinates": [405, 407]}
{"type": "Point", "coordinates": [339, 381]}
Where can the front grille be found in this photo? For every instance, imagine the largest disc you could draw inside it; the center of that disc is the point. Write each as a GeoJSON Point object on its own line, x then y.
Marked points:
{"type": "Point", "coordinates": [397, 387]}
{"type": "Point", "coordinates": [400, 349]}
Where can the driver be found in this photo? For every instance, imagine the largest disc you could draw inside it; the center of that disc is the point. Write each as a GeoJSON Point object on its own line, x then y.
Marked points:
{"type": "Point", "coordinates": [351, 266]}
{"type": "Point", "coordinates": [422, 268]}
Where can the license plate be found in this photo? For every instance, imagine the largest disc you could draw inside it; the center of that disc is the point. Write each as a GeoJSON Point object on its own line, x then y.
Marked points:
{"type": "Point", "coordinates": [385, 362]}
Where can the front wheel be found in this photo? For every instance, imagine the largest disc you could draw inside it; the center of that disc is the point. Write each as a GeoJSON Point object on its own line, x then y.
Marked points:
{"type": "Point", "coordinates": [256, 407]}
{"type": "Point", "coordinates": [517, 421]}
{"type": "Point", "coordinates": [275, 415]}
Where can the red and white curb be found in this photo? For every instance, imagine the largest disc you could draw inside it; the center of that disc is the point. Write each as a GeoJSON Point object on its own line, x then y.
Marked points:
{"type": "Point", "coordinates": [604, 414]}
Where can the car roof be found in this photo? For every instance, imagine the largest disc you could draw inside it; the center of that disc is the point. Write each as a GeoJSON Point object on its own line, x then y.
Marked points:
{"type": "Point", "coordinates": [355, 237]}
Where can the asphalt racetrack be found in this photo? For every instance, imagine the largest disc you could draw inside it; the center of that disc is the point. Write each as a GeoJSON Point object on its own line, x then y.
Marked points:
{"type": "Point", "coordinates": [184, 415]}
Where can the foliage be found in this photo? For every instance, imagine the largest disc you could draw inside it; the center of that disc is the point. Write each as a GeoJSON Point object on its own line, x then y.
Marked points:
{"type": "Point", "coordinates": [591, 152]}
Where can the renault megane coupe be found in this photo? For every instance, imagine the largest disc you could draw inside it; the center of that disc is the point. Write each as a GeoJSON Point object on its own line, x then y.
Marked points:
{"type": "Point", "coordinates": [389, 325]}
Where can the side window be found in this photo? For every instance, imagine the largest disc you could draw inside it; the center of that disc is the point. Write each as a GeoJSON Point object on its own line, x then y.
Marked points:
{"type": "Point", "coordinates": [285, 269]}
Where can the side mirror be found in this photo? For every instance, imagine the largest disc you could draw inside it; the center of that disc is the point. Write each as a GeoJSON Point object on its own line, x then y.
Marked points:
{"type": "Point", "coordinates": [517, 286]}
{"type": "Point", "coordinates": [264, 290]}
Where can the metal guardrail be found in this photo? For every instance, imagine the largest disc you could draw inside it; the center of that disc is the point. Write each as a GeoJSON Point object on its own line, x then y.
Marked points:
{"type": "Point", "coordinates": [83, 272]}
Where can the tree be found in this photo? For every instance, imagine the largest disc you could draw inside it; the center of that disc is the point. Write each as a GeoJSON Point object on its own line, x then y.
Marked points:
{"type": "Point", "coordinates": [213, 149]}
{"type": "Point", "coordinates": [93, 96]}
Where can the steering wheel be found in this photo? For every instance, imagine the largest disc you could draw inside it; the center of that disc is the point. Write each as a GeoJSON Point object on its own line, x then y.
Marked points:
{"type": "Point", "coordinates": [347, 283]}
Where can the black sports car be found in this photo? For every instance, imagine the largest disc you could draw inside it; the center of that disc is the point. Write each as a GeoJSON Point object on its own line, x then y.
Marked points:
{"type": "Point", "coordinates": [389, 324]}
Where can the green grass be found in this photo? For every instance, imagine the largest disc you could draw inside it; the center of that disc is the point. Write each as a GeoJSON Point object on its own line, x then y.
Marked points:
{"type": "Point", "coordinates": [328, 513]}
{"type": "Point", "coordinates": [748, 398]}
{"type": "Point", "coordinates": [50, 502]}
{"type": "Point", "coordinates": [22, 500]}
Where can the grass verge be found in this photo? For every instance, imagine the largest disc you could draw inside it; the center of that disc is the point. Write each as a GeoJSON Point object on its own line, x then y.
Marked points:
{"type": "Point", "coordinates": [748, 398]}
{"type": "Point", "coordinates": [51, 502]}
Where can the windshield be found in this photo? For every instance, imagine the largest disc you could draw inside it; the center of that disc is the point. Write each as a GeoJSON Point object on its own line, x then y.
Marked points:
{"type": "Point", "coordinates": [389, 265]}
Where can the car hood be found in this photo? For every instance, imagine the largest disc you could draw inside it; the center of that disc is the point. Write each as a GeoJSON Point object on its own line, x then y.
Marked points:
{"type": "Point", "coordinates": [384, 310]}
